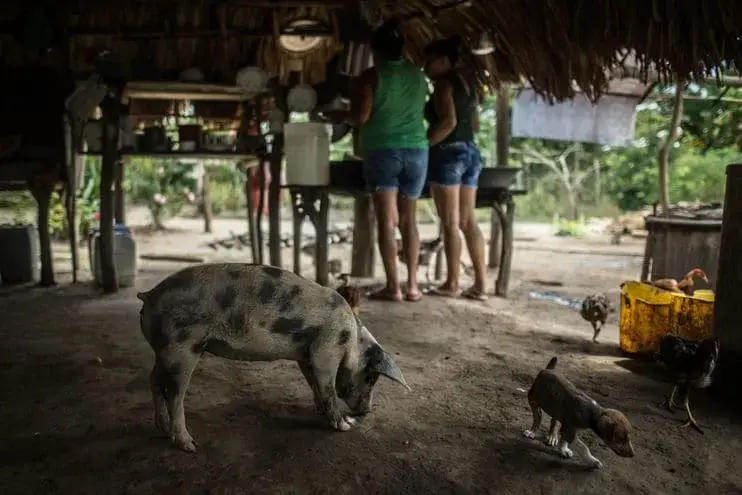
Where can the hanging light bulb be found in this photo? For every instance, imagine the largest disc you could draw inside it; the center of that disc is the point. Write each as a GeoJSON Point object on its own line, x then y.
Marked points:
{"type": "Point", "coordinates": [485, 46]}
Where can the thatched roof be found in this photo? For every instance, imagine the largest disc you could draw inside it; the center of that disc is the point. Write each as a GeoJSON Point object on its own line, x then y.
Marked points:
{"type": "Point", "coordinates": [547, 42]}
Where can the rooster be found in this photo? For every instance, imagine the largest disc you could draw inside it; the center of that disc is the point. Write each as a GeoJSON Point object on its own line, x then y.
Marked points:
{"type": "Point", "coordinates": [428, 249]}
{"type": "Point", "coordinates": [692, 364]}
{"type": "Point", "coordinates": [685, 285]}
{"type": "Point", "coordinates": [595, 309]}
{"type": "Point", "coordinates": [350, 293]}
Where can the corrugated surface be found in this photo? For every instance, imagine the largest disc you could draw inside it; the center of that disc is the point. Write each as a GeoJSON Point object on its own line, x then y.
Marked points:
{"type": "Point", "coordinates": [647, 313]}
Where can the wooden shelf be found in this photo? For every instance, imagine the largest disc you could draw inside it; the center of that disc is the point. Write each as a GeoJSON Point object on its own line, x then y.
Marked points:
{"type": "Point", "coordinates": [203, 155]}
{"type": "Point", "coordinates": [155, 90]}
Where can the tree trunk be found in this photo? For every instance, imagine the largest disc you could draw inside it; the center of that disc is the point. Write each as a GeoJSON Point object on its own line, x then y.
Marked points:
{"type": "Point", "coordinates": [677, 113]}
{"type": "Point", "coordinates": [206, 201]}
{"type": "Point", "coordinates": [108, 171]}
{"type": "Point", "coordinates": [503, 141]}
{"type": "Point", "coordinates": [119, 208]}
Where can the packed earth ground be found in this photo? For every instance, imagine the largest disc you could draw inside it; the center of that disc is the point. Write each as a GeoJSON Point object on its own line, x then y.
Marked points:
{"type": "Point", "coordinates": [76, 413]}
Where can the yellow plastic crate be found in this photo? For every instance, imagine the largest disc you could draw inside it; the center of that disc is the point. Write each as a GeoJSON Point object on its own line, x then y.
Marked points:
{"type": "Point", "coordinates": [647, 313]}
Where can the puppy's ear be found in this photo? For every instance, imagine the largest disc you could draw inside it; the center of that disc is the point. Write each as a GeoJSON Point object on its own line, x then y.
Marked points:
{"type": "Point", "coordinates": [613, 425]}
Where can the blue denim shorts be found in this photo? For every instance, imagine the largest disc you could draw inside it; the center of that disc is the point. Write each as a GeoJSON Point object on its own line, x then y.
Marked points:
{"type": "Point", "coordinates": [403, 170]}
{"type": "Point", "coordinates": [455, 164]}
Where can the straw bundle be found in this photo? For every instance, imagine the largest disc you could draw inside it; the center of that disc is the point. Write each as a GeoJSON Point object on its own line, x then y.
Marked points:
{"type": "Point", "coordinates": [549, 43]}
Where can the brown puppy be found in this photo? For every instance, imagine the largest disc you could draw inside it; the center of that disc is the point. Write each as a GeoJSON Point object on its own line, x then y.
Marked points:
{"type": "Point", "coordinates": [573, 410]}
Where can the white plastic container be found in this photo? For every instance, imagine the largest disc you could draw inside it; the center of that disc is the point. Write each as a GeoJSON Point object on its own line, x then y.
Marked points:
{"type": "Point", "coordinates": [307, 148]}
{"type": "Point", "coordinates": [124, 256]}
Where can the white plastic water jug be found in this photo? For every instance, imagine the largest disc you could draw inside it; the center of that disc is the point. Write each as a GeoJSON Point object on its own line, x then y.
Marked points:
{"type": "Point", "coordinates": [307, 148]}
{"type": "Point", "coordinates": [124, 256]}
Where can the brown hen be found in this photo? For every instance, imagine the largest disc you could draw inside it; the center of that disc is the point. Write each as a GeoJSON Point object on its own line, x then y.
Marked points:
{"type": "Point", "coordinates": [350, 293]}
{"type": "Point", "coordinates": [685, 285]}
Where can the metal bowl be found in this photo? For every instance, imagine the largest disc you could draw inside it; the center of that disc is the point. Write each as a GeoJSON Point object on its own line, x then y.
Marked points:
{"type": "Point", "coordinates": [498, 177]}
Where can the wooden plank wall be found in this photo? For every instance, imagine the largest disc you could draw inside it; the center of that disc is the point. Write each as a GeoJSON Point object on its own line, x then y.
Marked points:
{"type": "Point", "coordinates": [679, 249]}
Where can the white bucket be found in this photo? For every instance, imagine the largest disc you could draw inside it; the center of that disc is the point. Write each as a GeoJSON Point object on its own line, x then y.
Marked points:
{"type": "Point", "coordinates": [307, 148]}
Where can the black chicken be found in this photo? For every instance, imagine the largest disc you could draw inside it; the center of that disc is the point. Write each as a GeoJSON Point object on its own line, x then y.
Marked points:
{"type": "Point", "coordinates": [692, 364]}
{"type": "Point", "coordinates": [595, 309]}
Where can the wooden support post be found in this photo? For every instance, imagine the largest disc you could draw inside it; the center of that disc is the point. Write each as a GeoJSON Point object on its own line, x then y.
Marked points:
{"type": "Point", "coordinates": [119, 202]}
{"type": "Point", "coordinates": [274, 200]}
{"type": "Point", "coordinates": [111, 109]}
{"type": "Point", "coordinates": [506, 220]}
{"type": "Point", "coordinates": [503, 141]}
{"type": "Point", "coordinates": [70, 197]}
{"type": "Point", "coordinates": [258, 215]}
{"type": "Point", "coordinates": [321, 228]}
{"type": "Point", "coordinates": [363, 257]}
{"type": "Point", "coordinates": [251, 220]}
{"type": "Point", "coordinates": [363, 251]}
{"type": "Point", "coordinates": [206, 201]}
{"type": "Point", "coordinates": [41, 190]}
{"type": "Point", "coordinates": [728, 296]}
{"type": "Point", "coordinates": [297, 215]}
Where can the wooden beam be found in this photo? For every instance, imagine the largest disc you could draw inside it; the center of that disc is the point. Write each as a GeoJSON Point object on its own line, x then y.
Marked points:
{"type": "Point", "coordinates": [728, 296]}
{"type": "Point", "coordinates": [154, 90]}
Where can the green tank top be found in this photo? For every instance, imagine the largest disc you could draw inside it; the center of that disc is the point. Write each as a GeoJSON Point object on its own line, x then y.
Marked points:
{"type": "Point", "coordinates": [465, 103]}
{"type": "Point", "coordinates": [397, 116]}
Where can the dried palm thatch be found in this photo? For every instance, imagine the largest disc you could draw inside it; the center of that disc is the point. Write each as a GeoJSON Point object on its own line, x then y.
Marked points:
{"type": "Point", "coordinates": [549, 43]}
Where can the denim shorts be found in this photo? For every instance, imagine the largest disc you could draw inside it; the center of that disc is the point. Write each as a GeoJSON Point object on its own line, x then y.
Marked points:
{"type": "Point", "coordinates": [455, 164]}
{"type": "Point", "coordinates": [403, 170]}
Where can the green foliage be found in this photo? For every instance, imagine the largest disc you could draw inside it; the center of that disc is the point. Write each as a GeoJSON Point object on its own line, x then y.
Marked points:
{"type": "Point", "coordinates": [227, 189]}
{"type": "Point", "coordinates": [571, 228]}
{"type": "Point", "coordinates": [163, 186]}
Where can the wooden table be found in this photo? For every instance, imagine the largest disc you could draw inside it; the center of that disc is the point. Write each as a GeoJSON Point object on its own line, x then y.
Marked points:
{"type": "Point", "coordinates": [313, 202]}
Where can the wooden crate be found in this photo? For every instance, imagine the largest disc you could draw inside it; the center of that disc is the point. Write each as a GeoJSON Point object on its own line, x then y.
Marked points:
{"type": "Point", "coordinates": [677, 245]}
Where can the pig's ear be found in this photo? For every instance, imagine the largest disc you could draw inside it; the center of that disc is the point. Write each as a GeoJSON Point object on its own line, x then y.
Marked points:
{"type": "Point", "coordinates": [388, 367]}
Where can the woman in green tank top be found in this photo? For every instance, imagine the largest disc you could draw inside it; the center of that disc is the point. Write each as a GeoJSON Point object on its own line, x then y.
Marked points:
{"type": "Point", "coordinates": [388, 108]}
{"type": "Point", "coordinates": [455, 164]}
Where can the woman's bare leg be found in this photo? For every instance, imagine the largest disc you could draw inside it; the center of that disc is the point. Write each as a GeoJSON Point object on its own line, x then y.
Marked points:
{"type": "Point", "coordinates": [385, 205]}
{"type": "Point", "coordinates": [473, 236]}
{"type": "Point", "coordinates": [410, 242]}
{"type": "Point", "coordinates": [446, 200]}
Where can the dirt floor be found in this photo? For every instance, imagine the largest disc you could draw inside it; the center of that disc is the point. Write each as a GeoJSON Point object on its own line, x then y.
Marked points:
{"type": "Point", "coordinates": [76, 414]}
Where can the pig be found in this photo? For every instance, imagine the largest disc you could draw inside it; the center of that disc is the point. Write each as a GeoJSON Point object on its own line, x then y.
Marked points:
{"type": "Point", "coordinates": [250, 312]}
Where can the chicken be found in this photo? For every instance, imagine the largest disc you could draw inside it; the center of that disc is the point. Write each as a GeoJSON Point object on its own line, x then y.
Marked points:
{"type": "Point", "coordinates": [350, 293]}
{"type": "Point", "coordinates": [595, 309]}
{"type": "Point", "coordinates": [685, 285]}
{"type": "Point", "coordinates": [692, 364]}
{"type": "Point", "coordinates": [427, 250]}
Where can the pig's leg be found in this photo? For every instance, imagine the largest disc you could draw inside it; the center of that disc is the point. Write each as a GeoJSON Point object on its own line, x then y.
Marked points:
{"type": "Point", "coordinates": [179, 365]}
{"type": "Point", "coordinates": [158, 381]}
{"type": "Point", "coordinates": [306, 370]}
{"type": "Point", "coordinates": [325, 363]}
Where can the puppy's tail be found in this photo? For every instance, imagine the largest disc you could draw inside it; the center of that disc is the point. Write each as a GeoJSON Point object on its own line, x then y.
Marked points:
{"type": "Point", "coordinates": [552, 364]}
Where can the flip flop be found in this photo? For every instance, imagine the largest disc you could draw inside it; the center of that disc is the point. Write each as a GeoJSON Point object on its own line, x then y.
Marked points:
{"type": "Point", "coordinates": [474, 295]}
{"type": "Point", "coordinates": [443, 292]}
{"type": "Point", "coordinates": [413, 296]}
{"type": "Point", "coordinates": [385, 295]}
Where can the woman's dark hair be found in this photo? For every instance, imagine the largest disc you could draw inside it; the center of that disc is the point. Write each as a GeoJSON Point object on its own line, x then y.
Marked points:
{"type": "Point", "coordinates": [447, 47]}
{"type": "Point", "coordinates": [387, 40]}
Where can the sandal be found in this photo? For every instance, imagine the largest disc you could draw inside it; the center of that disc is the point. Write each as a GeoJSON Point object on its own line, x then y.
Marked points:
{"type": "Point", "coordinates": [472, 293]}
{"type": "Point", "coordinates": [442, 292]}
{"type": "Point", "coordinates": [413, 296]}
{"type": "Point", "coordinates": [385, 294]}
